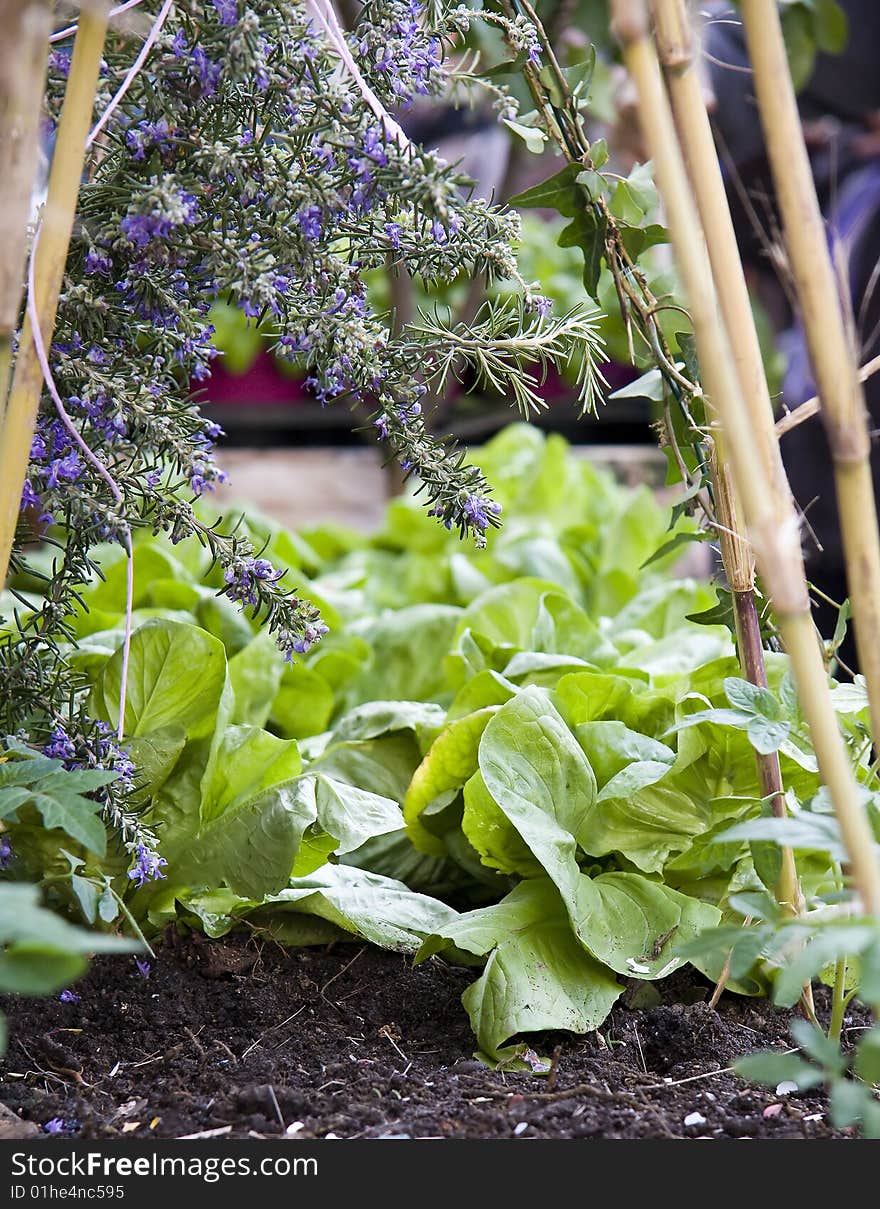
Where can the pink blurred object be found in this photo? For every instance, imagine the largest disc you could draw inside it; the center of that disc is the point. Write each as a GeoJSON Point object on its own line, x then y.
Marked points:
{"type": "Point", "coordinates": [262, 384]}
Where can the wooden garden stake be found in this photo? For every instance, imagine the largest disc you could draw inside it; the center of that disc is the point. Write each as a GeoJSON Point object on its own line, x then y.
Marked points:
{"type": "Point", "coordinates": [51, 256]}
{"type": "Point", "coordinates": [772, 520]}
{"type": "Point", "coordinates": [25, 26]}
{"type": "Point", "coordinates": [721, 509]}
{"type": "Point", "coordinates": [674, 45]}
{"type": "Point", "coordinates": [832, 354]}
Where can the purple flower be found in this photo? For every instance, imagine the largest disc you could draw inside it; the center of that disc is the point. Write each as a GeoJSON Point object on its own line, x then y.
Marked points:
{"type": "Point", "coordinates": [6, 852]}
{"type": "Point", "coordinates": [479, 511]}
{"type": "Point", "coordinates": [59, 62]}
{"type": "Point", "coordinates": [312, 633]}
{"type": "Point", "coordinates": [56, 1125]}
{"type": "Point", "coordinates": [60, 747]}
{"type": "Point", "coordinates": [29, 497]}
{"type": "Point", "coordinates": [204, 476]}
{"type": "Point", "coordinates": [542, 305]}
{"type": "Point", "coordinates": [243, 575]}
{"type": "Point", "coordinates": [147, 867]}
{"type": "Point", "coordinates": [309, 222]}
{"type": "Point", "coordinates": [394, 231]}
{"type": "Point", "coordinates": [111, 754]}
{"type": "Point", "coordinates": [439, 232]}
{"type": "Point", "coordinates": [146, 136]}
{"type": "Point", "coordinates": [143, 967]}
{"type": "Point", "coordinates": [227, 11]}
{"type": "Point", "coordinates": [97, 263]}
{"type": "Point", "coordinates": [69, 997]}
{"type": "Point", "coordinates": [323, 152]}
{"type": "Point", "coordinates": [67, 469]}
{"type": "Point", "coordinates": [206, 71]}
{"type": "Point", "coordinates": [175, 210]}
{"type": "Point", "coordinates": [381, 426]}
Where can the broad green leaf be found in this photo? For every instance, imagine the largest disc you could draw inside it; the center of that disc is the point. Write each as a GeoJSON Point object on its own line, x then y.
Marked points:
{"type": "Point", "coordinates": [377, 909]}
{"type": "Point", "coordinates": [253, 815]}
{"type": "Point", "coordinates": [533, 138]}
{"type": "Point", "coordinates": [353, 816]}
{"type": "Point", "coordinates": [73, 814]}
{"type": "Point", "coordinates": [384, 765]}
{"type": "Point", "coordinates": [492, 835]}
{"type": "Point", "coordinates": [817, 832]}
{"type": "Point", "coordinates": [450, 762]}
{"type": "Point", "coordinates": [40, 952]}
{"type": "Point", "coordinates": [537, 976]}
{"type": "Point", "coordinates": [845, 939]}
{"type": "Point", "coordinates": [176, 677]}
{"type": "Point", "coordinates": [541, 780]}
{"type": "Point", "coordinates": [398, 670]}
{"type": "Point", "coordinates": [395, 856]}
{"type": "Point", "coordinates": [304, 702]}
{"type": "Point", "coordinates": [623, 760]}
{"type": "Point", "coordinates": [155, 755]}
{"type": "Point", "coordinates": [486, 688]}
{"type": "Point", "coordinates": [255, 675]}
{"type": "Point", "coordinates": [585, 231]}
{"type": "Point", "coordinates": [385, 717]}
{"type": "Point", "coordinates": [152, 562]}
{"type": "Point", "coordinates": [606, 697]}
{"type": "Point", "coordinates": [634, 925]}
{"type": "Point", "coordinates": [773, 1068]}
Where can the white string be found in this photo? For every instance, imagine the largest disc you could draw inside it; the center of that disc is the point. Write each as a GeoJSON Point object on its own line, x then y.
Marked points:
{"type": "Point", "coordinates": [325, 14]}
{"type": "Point", "coordinates": [132, 71]}
{"type": "Point", "coordinates": [61, 34]}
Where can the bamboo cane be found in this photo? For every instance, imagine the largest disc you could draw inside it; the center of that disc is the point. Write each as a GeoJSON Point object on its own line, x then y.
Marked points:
{"type": "Point", "coordinates": [831, 352]}
{"type": "Point", "coordinates": [736, 553]}
{"type": "Point", "coordinates": [25, 25]}
{"type": "Point", "coordinates": [773, 523]}
{"type": "Point", "coordinates": [57, 225]}
{"type": "Point", "coordinates": [674, 44]}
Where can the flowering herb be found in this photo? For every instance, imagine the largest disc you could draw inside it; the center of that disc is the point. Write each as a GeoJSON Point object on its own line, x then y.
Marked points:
{"type": "Point", "coordinates": [143, 968]}
{"type": "Point", "coordinates": [69, 997]}
{"type": "Point", "coordinates": [252, 158]}
{"type": "Point", "coordinates": [148, 866]}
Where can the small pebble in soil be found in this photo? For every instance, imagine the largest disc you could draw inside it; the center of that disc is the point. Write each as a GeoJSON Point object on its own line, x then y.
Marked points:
{"type": "Point", "coordinates": [786, 1087]}
{"type": "Point", "coordinates": [694, 1118]}
{"type": "Point", "coordinates": [521, 1128]}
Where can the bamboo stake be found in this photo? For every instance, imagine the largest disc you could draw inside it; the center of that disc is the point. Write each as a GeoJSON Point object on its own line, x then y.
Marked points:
{"type": "Point", "coordinates": [674, 44]}
{"type": "Point", "coordinates": [23, 52]}
{"type": "Point", "coordinates": [773, 523]}
{"type": "Point", "coordinates": [51, 257]}
{"type": "Point", "coordinates": [831, 352]}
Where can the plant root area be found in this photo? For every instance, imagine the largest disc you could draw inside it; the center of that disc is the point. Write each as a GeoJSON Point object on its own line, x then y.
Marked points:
{"type": "Point", "coordinates": [240, 1038]}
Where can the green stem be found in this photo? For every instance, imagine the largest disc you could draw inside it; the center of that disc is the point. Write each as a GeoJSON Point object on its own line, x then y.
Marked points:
{"type": "Point", "coordinates": [51, 258]}
{"type": "Point", "coordinates": [838, 1001]}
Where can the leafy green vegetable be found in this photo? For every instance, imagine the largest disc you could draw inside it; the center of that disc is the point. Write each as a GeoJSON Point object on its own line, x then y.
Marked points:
{"type": "Point", "coordinates": [537, 976]}
{"type": "Point", "coordinates": [552, 731]}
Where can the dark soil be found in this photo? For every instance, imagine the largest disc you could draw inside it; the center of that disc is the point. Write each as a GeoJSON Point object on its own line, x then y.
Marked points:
{"type": "Point", "coordinates": [241, 1037]}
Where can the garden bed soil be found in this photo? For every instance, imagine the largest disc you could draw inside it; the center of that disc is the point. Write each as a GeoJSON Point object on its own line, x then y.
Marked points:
{"type": "Point", "coordinates": [245, 1039]}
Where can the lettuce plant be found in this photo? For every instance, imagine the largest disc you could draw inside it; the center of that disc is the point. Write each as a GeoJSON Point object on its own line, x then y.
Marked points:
{"type": "Point", "coordinates": [530, 758]}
